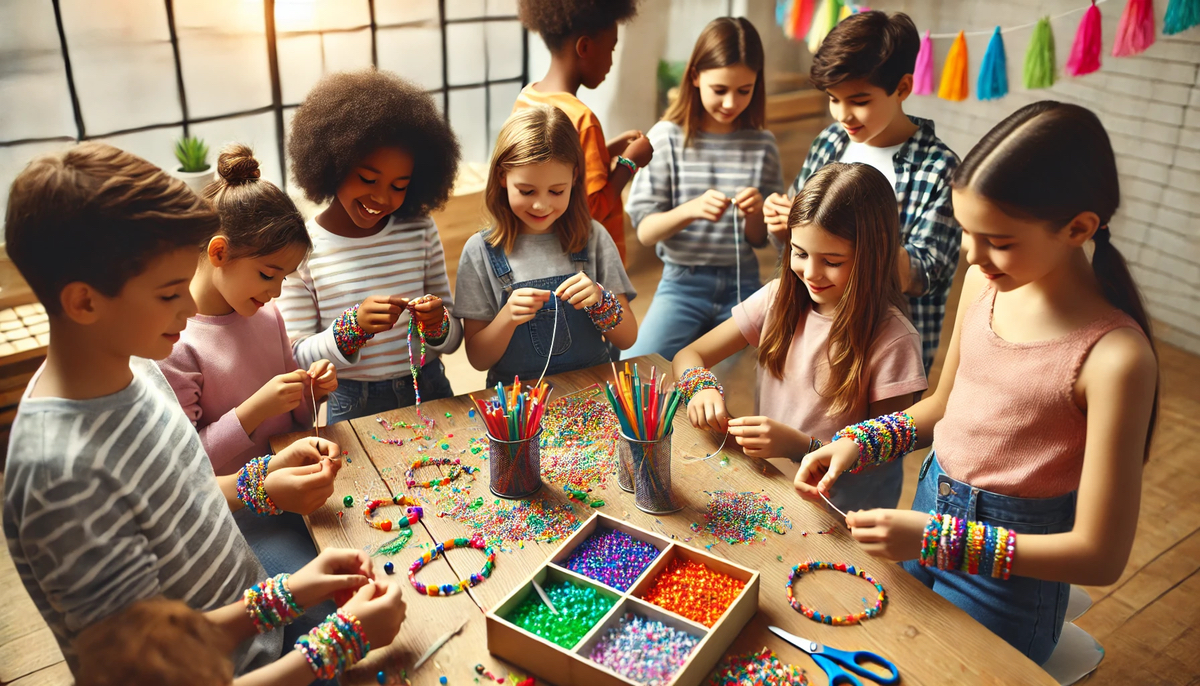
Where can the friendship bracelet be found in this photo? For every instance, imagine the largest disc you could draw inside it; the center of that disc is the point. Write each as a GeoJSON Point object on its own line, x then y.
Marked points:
{"type": "Point", "coordinates": [442, 330]}
{"type": "Point", "coordinates": [335, 645]}
{"type": "Point", "coordinates": [841, 620]}
{"type": "Point", "coordinates": [881, 440]}
{"type": "Point", "coordinates": [696, 379]}
{"type": "Point", "coordinates": [270, 604]}
{"type": "Point", "coordinates": [410, 479]}
{"type": "Point", "coordinates": [349, 336]}
{"type": "Point", "coordinates": [412, 514]}
{"type": "Point", "coordinates": [630, 164]}
{"type": "Point", "coordinates": [950, 543]}
{"type": "Point", "coordinates": [252, 487]}
{"type": "Point", "coordinates": [606, 313]}
{"type": "Point", "coordinates": [440, 549]}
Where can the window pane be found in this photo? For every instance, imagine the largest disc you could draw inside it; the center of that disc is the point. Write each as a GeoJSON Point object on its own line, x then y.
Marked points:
{"type": "Point", "coordinates": [347, 51]}
{"type": "Point", "coordinates": [405, 11]}
{"type": "Point", "coordinates": [464, 9]}
{"type": "Point", "coordinates": [312, 15]}
{"type": "Point", "coordinates": [155, 145]}
{"type": "Point", "coordinates": [503, 50]}
{"type": "Point", "coordinates": [223, 52]}
{"type": "Point", "coordinates": [466, 59]}
{"type": "Point", "coordinates": [503, 97]}
{"type": "Point", "coordinates": [299, 66]}
{"type": "Point", "coordinates": [256, 131]}
{"type": "Point", "coordinates": [414, 53]}
{"type": "Point", "coordinates": [502, 8]}
{"type": "Point", "coordinates": [467, 120]}
{"type": "Point", "coordinates": [33, 81]}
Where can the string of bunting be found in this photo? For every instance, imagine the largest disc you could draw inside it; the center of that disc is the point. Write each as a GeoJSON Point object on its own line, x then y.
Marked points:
{"type": "Point", "coordinates": [812, 20]}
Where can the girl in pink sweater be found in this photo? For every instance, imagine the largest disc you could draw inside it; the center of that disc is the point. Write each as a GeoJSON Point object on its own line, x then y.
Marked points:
{"type": "Point", "coordinates": [1042, 419]}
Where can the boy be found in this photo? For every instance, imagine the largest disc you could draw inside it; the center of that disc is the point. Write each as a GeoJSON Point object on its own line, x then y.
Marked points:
{"type": "Point", "coordinates": [109, 496]}
{"type": "Point", "coordinates": [581, 36]}
{"type": "Point", "coordinates": [866, 67]}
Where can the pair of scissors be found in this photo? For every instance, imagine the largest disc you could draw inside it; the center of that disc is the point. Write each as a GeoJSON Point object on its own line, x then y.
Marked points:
{"type": "Point", "coordinates": [835, 662]}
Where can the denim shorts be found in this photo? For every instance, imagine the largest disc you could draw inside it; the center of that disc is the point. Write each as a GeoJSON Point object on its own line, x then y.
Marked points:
{"type": "Point", "coordinates": [354, 399]}
{"type": "Point", "coordinates": [1027, 613]}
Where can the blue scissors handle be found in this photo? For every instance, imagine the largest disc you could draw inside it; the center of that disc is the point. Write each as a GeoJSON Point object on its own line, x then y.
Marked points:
{"type": "Point", "coordinates": [835, 663]}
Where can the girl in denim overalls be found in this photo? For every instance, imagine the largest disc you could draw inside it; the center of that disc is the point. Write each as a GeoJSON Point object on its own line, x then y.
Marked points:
{"type": "Point", "coordinates": [1042, 419]}
{"type": "Point", "coordinates": [528, 288]}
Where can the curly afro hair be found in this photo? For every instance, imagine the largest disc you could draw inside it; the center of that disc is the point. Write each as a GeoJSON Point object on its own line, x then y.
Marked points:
{"type": "Point", "coordinates": [349, 115]}
{"type": "Point", "coordinates": [557, 20]}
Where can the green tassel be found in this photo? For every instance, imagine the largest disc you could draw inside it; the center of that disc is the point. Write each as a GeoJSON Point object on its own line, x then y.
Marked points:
{"type": "Point", "coordinates": [1039, 58]}
{"type": "Point", "coordinates": [1181, 16]}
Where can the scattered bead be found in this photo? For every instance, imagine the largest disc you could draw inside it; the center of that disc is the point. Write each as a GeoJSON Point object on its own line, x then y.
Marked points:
{"type": "Point", "coordinates": [757, 669]}
{"type": "Point", "coordinates": [441, 679]}
{"type": "Point", "coordinates": [644, 650]}
{"type": "Point", "coordinates": [579, 609]}
{"type": "Point", "coordinates": [613, 558]}
{"type": "Point", "coordinates": [348, 501]}
{"type": "Point", "coordinates": [381, 678]}
{"type": "Point", "coordinates": [741, 517]}
{"type": "Point", "coordinates": [389, 568]}
{"type": "Point", "coordinates": [692, 590]}
{"type": "Point", "coordinates": [577, 446]}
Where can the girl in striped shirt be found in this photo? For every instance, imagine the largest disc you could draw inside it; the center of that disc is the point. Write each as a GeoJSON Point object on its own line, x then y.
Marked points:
{"type": "Point", "coordinates": [378, 151]}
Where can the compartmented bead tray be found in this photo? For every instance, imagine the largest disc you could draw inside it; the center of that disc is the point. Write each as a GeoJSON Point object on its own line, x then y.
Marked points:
{"type": "Point", "coordinates": [611, 649]}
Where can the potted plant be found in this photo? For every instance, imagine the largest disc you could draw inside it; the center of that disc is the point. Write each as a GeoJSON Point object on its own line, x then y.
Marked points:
{"type": "Point", "coordinates": [194, 169]}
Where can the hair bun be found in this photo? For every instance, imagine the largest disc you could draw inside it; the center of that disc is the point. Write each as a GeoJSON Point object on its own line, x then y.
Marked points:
{"type": "Point", "coordinates": [237, 165]}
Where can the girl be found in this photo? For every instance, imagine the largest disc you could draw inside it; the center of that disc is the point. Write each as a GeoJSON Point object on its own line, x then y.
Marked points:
{"type": "Point", "coordinates": [833, 343]}
{"type": "Point", "coordinates": [542, 243]}
{"type": "Point", "coordinates": [378, 151]}
{"type": "Point", "coordinates": [1042, 420]}
{"type": "Point", "coordinates": [711, 151]}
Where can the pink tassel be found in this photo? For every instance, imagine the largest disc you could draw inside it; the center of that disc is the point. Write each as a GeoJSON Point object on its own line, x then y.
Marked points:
{"type": "Point", "coordinates": [1135, 32]}
{"type": "Point", "coordinates": [923, 73]}
{"type": "Point", "coordinates": [1085, 51]}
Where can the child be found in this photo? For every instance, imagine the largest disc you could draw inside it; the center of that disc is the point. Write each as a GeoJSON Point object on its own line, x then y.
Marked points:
{"type": "Point", "coordinates": [581, 36]}
{"type": "Point", "coordinates": [712, 153]}
{"type": "Point", "coordinates": [1043, 416]}
{"type": "Point", "coordinates": [378, 151]}
{"type": "Point", "coordinates": [865, 65]}
{"type": "Point", "coordinates": [542, 243]}
{"type": "Point", "coordinates": [833, 343]}
{"type": "Point", "coordinates": [160, 641]}
{"type": "Point", "coordinates": [109, 497]}
{"type": "Point", "coordinates": [233, 369]}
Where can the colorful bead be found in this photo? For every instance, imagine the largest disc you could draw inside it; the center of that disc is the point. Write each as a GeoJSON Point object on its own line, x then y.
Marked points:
{"type": "Point", "coordinates": [270, 604]}
{"type": "Point", "coordinates": [440, 549]}
{"type": "Point", "coordinates": [692, 590]}
{"type": "Point", "coordinates": [881, 440]}
{"type": "Point", "coordinates": [741, 517]}
{"type": "Point", "coordinates": [613, 558]}
{"type": "Point", "coordinates": [348, 501]}
{"type": "Point", "coordinates": [389, 568]}
{"type": "Point", "coordinates": [252, 487]}
{"type": "Point", "coordinates": [757, 669]}
{"type": "Point", "coordinates": [456, 468]}
{"type": "Point", "coordinates": [838, 620]}
{"type": "Point", "coordinates": [579, 609]}
{"type": "Point", "coordinates": [347, 334]}
{"type": "Point", "coordinates": [950, 543]}
{"type": "Point", "coordinates": [412, 513]}
{"type": "Point", "coordinates": [644, 650]}
{"type": "Point", "coordinates": [606, 313]}
{"type": "Point", "coordinates": [334, 645]}
{"type": "Point", "coordinates": [694, 380]}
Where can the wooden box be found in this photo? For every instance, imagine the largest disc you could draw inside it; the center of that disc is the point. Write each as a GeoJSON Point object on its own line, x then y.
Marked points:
{"type": "Point", "coordinates": [573, 667]}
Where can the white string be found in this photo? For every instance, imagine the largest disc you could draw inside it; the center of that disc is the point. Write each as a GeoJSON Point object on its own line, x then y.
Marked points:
{"type": "Point", "coordinates": [553, 333]}
{"type": "Point", "coordinates": [312, 392]}
{"type": "Point", "coordinates": [709, 456]}
{"type": "Point", "coordinates": [835, 507]}
{"type": "Point", "coordinates": [737, 246]}
{"type": "Point", "coordinates": [1018, 27]}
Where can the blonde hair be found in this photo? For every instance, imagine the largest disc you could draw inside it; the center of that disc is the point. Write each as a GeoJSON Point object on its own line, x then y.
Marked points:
{"type": "Point", "coordinates": [536, 136]}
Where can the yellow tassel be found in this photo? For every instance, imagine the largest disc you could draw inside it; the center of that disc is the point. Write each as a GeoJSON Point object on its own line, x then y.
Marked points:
{"type": "Point", "coordinates": [954, 74]}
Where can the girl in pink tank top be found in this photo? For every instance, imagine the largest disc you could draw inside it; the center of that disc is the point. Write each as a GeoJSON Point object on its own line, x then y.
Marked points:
{"type": "Point", "coordinates": [1043, 416]}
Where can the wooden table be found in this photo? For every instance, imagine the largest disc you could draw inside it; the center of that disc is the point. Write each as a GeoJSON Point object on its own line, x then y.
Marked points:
{"type": "Point", "coordinates": [930, 640]}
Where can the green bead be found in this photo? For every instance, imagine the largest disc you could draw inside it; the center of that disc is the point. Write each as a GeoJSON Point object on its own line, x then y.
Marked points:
{"type": "Point", "coordinates": [348, 501]}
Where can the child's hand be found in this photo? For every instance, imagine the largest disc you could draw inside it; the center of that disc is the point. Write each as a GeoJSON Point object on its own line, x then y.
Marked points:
{"type": "Point", "coordinates": [776, 209]}
{"type": "Point", "coordinates": [524, 304]}
{"type": "Point", "coordinates": [707, 410]}
{"type": "Point", "coordinates": [710, 206]}
{"type": "Point", "coordinates": [891, 534]}
{"type": "Point", "coordinates": [764, 437]}
{"type": "Point", "coordinates": [324, 378]}
{"type": "Point", "coordinates": [579, 291]}
{"type": "Point", "coordinates": [380, 609]}
{"type": "Point", "coordinates": [639, 151]}
{"type": "Point", "coordinates": [307, 451]}
{"type": "Point", "coordinates": [302, 490]}
{"type": "Point", "coordinates": [822, 467]}
{"type": "Point", "coordinates": [429, 311]}
{"type": "Point", "coordinates": [379, 313]}
{"type": "Point", "coordinates": [280, 395]}
{"type": "Point", "coordinates": [335, 573]}
{"type": "Point", "coordinates": [749, 201]}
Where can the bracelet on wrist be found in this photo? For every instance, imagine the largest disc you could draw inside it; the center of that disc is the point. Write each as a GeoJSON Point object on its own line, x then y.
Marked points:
{"type": "Point", "coordinates": [443, 329]}
{"type": "Point", "coordinates": [252, 487]}
{"type": "Point", "coordinates": [349, 336]}
{"type": "Point", "coordinates": [880, 440]}
{"type": "Point", "coordinates": [951, 543]}
{"type": "Point", "coordinates": [334, 646]}
{"type": "Point", "coordinates": [270, 604]}
{"type": "Point", "coordinates": [607, 312]}
{"type": "Point", "coordinates": [694, 380]}
{"type": "Point", "coordinates": [628, 163]}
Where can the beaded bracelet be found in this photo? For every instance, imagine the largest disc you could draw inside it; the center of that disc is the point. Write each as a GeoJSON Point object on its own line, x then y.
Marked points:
{"type": "Point", "coordinates": [349, 336]}
{"type": "Point", "coordinates": [252, 487]}
{"type": "Point", "coordinates": [881, 440]}
{"type": "Point", "coordinates": [950, 543]}
{"type": "Point", "coordinates": [630, 164]}
{"type": "Point", "coordinates": [270, 604]}
{"type": "Point", "coordinates": [443, 328]}
{"type": "Point", "coordinates": [440, 549]}
{"type": "Point", "coordinates": [411, 517]}
{"type": "Point", "coordinates": [841, 620]}
{"type": "Point", "coordinates": [335, 645]}
{"type": "Point", "coordinates": [410, 479]}
{"type": "Point", "coordinates": [606, 313]}
{"type": "Point", "coordinates": [696, 379]}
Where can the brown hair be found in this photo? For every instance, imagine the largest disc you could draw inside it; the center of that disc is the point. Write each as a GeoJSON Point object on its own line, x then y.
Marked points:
{"type": "Point", "coordinates": [256, 217]}
{"type": "Point", "coordinates": [724, 42]}
{"type": "Point", "coordinates": [535, 136]}
{"type": "Point", "coordinates": [100, 215]}
{"type": "Point", "coordinates": [155, 641]}
{"type": "Point", "coordinates": [1050, 162]}
{"type": "Point", "coordinates": [557, 20]}
{"type": "Point", "coordinates": [854, 202]}
{"type": "Point", "coordinates": [867, 45]}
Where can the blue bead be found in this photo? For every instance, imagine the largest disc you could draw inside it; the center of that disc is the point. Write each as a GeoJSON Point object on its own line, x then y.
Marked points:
{"type": "Point", "coordinates": [441, 680]}
{"type": "Point", "coordinates": [381, 678]}
{"type": "Point", "coordinates": [390, 569]}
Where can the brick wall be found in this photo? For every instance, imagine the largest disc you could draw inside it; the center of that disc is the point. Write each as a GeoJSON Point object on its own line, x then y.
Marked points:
{"type": "Point", "coordinates": [1150, 104]}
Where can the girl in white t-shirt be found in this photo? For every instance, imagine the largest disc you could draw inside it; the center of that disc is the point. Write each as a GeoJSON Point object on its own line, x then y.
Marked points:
{"type": "Point", "coordinates": [834, 345]}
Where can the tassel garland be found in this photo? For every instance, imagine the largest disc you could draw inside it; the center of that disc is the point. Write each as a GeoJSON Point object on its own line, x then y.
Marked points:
{"type": "Point", "coordinates": [954, 75]}
{"type": "Point", "coordinates": [993, 73]}
{"type": "Point", "coordinates": [824, 19]}
{"type": "Point", "coordinates": [1085, 51]}
{"type": "Point", "coordinates": [1135, 32]}
{"type": "Point", "coordinates": [923, 73]}
{"type": "Point", "coordinates": [1181, 16]}
{"type": "Point", "coordinates": [1039, 58]}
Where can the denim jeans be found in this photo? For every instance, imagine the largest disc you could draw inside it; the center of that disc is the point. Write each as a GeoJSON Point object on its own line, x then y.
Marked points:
{"type": "Point", "coordinates": [354, 399]}
{"type": "Point", "coordinates": [876, 487]}
{"type": "Point", "coordinates": [689, 302]}
{"type": "Point", "coordinates": [1027, 613]}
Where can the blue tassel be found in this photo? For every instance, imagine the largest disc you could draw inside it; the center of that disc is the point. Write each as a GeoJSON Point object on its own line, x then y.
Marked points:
{"type": "Point", "coordinates": [993, 72]}
{"type": "Point", "coordinates": [1181, 16]}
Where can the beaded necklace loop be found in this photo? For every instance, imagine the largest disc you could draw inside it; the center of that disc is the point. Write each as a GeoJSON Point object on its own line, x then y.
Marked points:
{"type": "Point", "coordinates": [842, 620]}
{"type": "Point", "coordinates": [456, 469]}
{"type": "Point", "coordinates": [270, 604]}
{"type": "Point", "coordinates": [458, 587]}
{"type": "Point", "coordinates": [412, 514]}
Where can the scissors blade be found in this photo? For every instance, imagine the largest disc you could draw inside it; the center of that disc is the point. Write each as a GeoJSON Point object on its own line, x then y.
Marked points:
{"type": "Point", "coordinates": [801, 643]}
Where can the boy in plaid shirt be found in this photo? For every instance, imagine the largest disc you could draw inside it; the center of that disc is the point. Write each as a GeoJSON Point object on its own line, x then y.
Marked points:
{"type": "Point", "coordinates": [866, 65]}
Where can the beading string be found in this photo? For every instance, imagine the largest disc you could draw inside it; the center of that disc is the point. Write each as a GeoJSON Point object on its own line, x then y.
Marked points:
{"type": "Point", "coordinates": [553, 333]}
{"type": "Point", "coordinates": [737, 247]}
{"type": "Point", "coordinates": [312, 391]}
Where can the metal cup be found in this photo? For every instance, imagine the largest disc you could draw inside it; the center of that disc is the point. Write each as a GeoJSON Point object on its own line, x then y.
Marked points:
{"type": "Point", "coordinates": [515, 467]}
{"type": "Point", "coordinates": [651, 461]}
